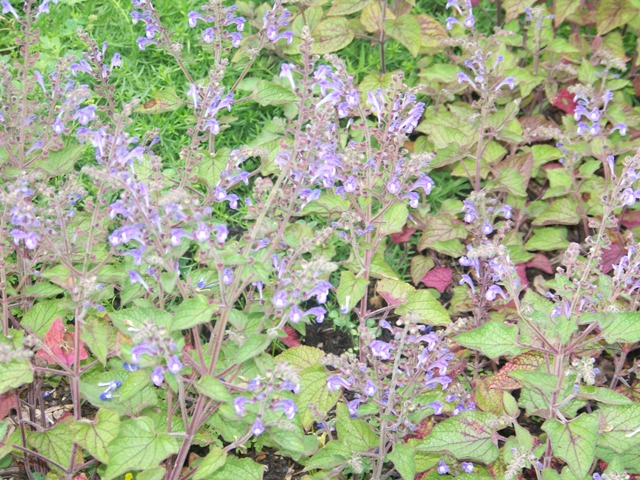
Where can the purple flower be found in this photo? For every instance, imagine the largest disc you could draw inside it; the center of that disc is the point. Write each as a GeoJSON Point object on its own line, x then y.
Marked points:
{"type": "Point", "coordinates": [174, 365]}
{"type": "Point", "coordinates": [106, 395]}
{"type": "Point", "coordinates": [239, 405]}
{"type": "Point", "coordinates": [7, 8]}
{"type": "Point", "coordinates": [334, 382]}
{"type": "Point", "coordinates": [381, 349]}
{"type": "Point", "coordinates": [320, 291]}
{"type": "Point", "coordinates": [235, 38]}
{"type": "Point", "coordinates": [621, 127]}
{"type": "Point", "coordinates": [628, 197]}
{"type": "Point", "coordinates": [353, 407]}
{"type": "Point", "coordinates": [467, 279]}
{"type": "Point", "coordinates": [467, 467]}
{"type": "Point", "coordinates": [437, 407]}
{"type": "Point", "coordinates": [423, 182]}
{"type": "Point", "coordinates": [281, 299]}
{"type": "Point", "coordinates": [295, 314]}
{"type": "Point", "coordinates": [202, 233]}
{"type": "Point", "coordinates": [227, 276]}
{"type": "Point", "coordinates": [30, 239]}
{"type": "Point", "coordinates": [222, 232]}
{"type": "Point", "coordinates": [493, 291]}
{"type": "Point", "coordinates": [85, 115]}
{"type": "Point", "coordinates": [157, 376]}
{"type": "Point", "coordinates": [176, 236]}
{"type": "Point", "coordinates": [135, 277]}
{"type": "Point", "coordinates": [286, 71]}
{"type": "Point", "coordinates": [318, 312]}
{"type": "Point", "coordinates": [509, 82]}
{"type": "Point", "coordinates": [470, 211]}
{"type": "Point", "coordinates": [195, 16]}
{"type": "Point", "coordinates": [370, 388]}
{"type": "Point", "coordinates": [287, 406]}
{"type": "Point", "coordinates": [143, 42]}
{"type": "Point", "coordinates": [487, 228]}
{"type": "Point", "coordinates": [208, 35]}
{"type": "Point", "coordinates": [443, 468]}
{"type": "Point", "coordinates": [393, 186]}
{"type": "Point", "coordinates": [257, 427]}
{"type": "Point", "coordinates": [130, 367]}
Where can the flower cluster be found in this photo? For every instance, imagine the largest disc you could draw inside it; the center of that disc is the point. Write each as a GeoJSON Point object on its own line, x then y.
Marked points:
{"type": "Point", "coordinates": [144, 13]}
{"type": "Point", "coordinates": [489, 261]}
{"type": "Point", "coordinates": [444, 469]}
{"type": "Point", "coordinates": [274, 21]}
{"type": "Point", "coordinates": [463, 10]}
{"type": "Point", "coordinates": [267, 399]}
{"type": "Point", "coordinates": [154, 347]}
{"type": "Point", "coordinates": [422, 360]}
{"type": "Point", "coordinates": [336, 89]}
{"type": "Point", "coordinates": [590, 112]}
{"type": "Point", "coordinates": [112, 386]}
{"type": "Point", "coordinates": [482, 73]}
{"type": "Point", "coordinates": [27, 226]}
{"type": "Point", "coordinates": [219, 16]}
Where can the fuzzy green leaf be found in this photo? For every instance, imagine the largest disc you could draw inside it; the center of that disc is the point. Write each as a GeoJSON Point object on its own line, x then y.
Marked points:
{"type": "Point", "coordinates": [331, 35]}
{"type": "Point", "coordinates": [313, 391]}
{"type": "Point", "coordinates": [356, 434]}
{"type": "Point", "coordinates": [548, 238]}
{"type": "Point", "coordinates": [301, 357]}
{"type": "Point", "coordinates": [138, 447]}
{"type": "Point", "coordinates": [214, 461]}
{"type": "Point", "coordinates": [351, 289]}
{"type": "Point", "coordinates": [94, 436]}
{"type": "Point", "coordinates": [40, 317]}
{"type": "Point", "coordinates": [403, 458]}
{"type": "Point", "coordinates": [192, 312]}
{"type": "Point", "coordinates": [394, 219]}
{"type": "Point", "coordinates": [494, 339]}
{"type": "Point", "coordinates": [269, 93]}
{"type": "Point", "coordinates": [563, 211]}
{"type": "Point", "coordinates": [466, 437]}
{"type": "Point", "coordinates": [406, 30]}
{"type": "Point", "coordinates": [574, 442]}
{"type": "Point", "coordinates": [55, 443]}
{"type": "Point", "coordinates": [15, 373]}
{"type": "Point", "coordinates": [426, 309]}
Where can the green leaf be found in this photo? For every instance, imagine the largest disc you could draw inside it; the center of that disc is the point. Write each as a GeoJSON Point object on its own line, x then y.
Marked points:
{"type": "Point", "coordinates": [156, 473]}
{"type": "Point", "coordinates": [15, 373]}
{"type": "Point", "coordinates": [563, 9]}
{"type": "Point", "coordinates": [252, 347]}
{"type": "Point", "coordinates": [548, 238]}
{"type": "Point", "coordinates": [513, 8]}
{"type": "Point", "coordinates": [55, 443]}
{"type": "Point", "coordinates": [239, 469]}
{"type": "Point", "coordinates": [494, 339]}
{"type": "Point", "coordinates": [574, 442]}
{"type": "Point", "coordinates": [331, 35]}
{"type": "Point", "coordinates": [512, 181]}
{"type": "Point", "coordinates": [546, 383]}
{"type": "Point", "coordinates": [214, 461]}
{"type": "Point", "coordinates": [618, 426]}
{"type": "Point", "coordinates": [466, 437]}
{"type": "Point", "coordinates": [99, 337]}
{"type": "Point", "coordinates": [346, 7]}
{"type": "Point", "coordinates": [420, 265]}
{"type": "Point", "coordinates": [356, 434]}
{"type": "Point", "coordinates": [211, 387]}
{"type": "Point", "coordinates": [602, 395]}
{"type": "Point", "coordinates": [403, 458]}
{"type": "Point", "coordinates": [40, 317]}
{"type": "Point", "coordinates": [333, 454]}
{"type": "Point", "coordinates": [62, 161]}
{"type": "Point", "coordinates": [192, 312]}
{"type": "Point", "coordinates": [351, 289]}
{"type": "Point", "coordinates": [563, 211]}
{"type": "Point", "coordinates": [162, 101]}
{"type": "Point", "coordinates": [621, 327]}
{"type": "Point", "coordinates": [135, 317]}
{"type": "Point", "coordinates": [425, 308]}
{"type": "Point", "coordinates": [301, 357]}
{"type": "Point", "coordinates": [394, 219]}
{"type": "Point", "coordinates": [314, 392]}
{"type": "Point", "coordinates": [406, 30]}
{"type": "Point", "coordinates": [94, 436]}
{"type": "Point", "coordinates": [394, 292]}
{"type": "Point", "coordinates": [612, 14]}
{"type": "Point", "coordinates": [269, 93]}
{"type": "Point", "coordinates": [138, 447]}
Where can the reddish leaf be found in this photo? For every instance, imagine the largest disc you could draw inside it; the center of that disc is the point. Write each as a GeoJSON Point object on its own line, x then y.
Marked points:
{"type": "Point", "coordinates": [404, 235]}
{"type": "Point", "coordinates": [564, 101]}
{"type": "Point", "coordinates": [526, 361]}
{"type": "Point", "coordinates": [521, 270]}
{"type": "Point", "coordinates": [630, 219]}
{"type": "Point", "coordinates": [438, 278]}
{"type": "Point", "coordinates": [7, 403]}
{"type": "Point", "coordinates": [61, 344]}
{"type": "Point", "coordinates": [291, 338]}
{"type": "Point", "coordinates": [541, 262]}
{"type": "Point", "coordinates": [611, 256]}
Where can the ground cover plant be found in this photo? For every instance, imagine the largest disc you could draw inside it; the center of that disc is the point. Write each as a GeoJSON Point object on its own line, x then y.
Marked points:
{"type": "Point", "coordinates": [355, 239]}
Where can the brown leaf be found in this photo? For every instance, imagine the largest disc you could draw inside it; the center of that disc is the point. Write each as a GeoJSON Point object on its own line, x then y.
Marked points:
{"type": "Point", "coordinates": [526, 361]}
